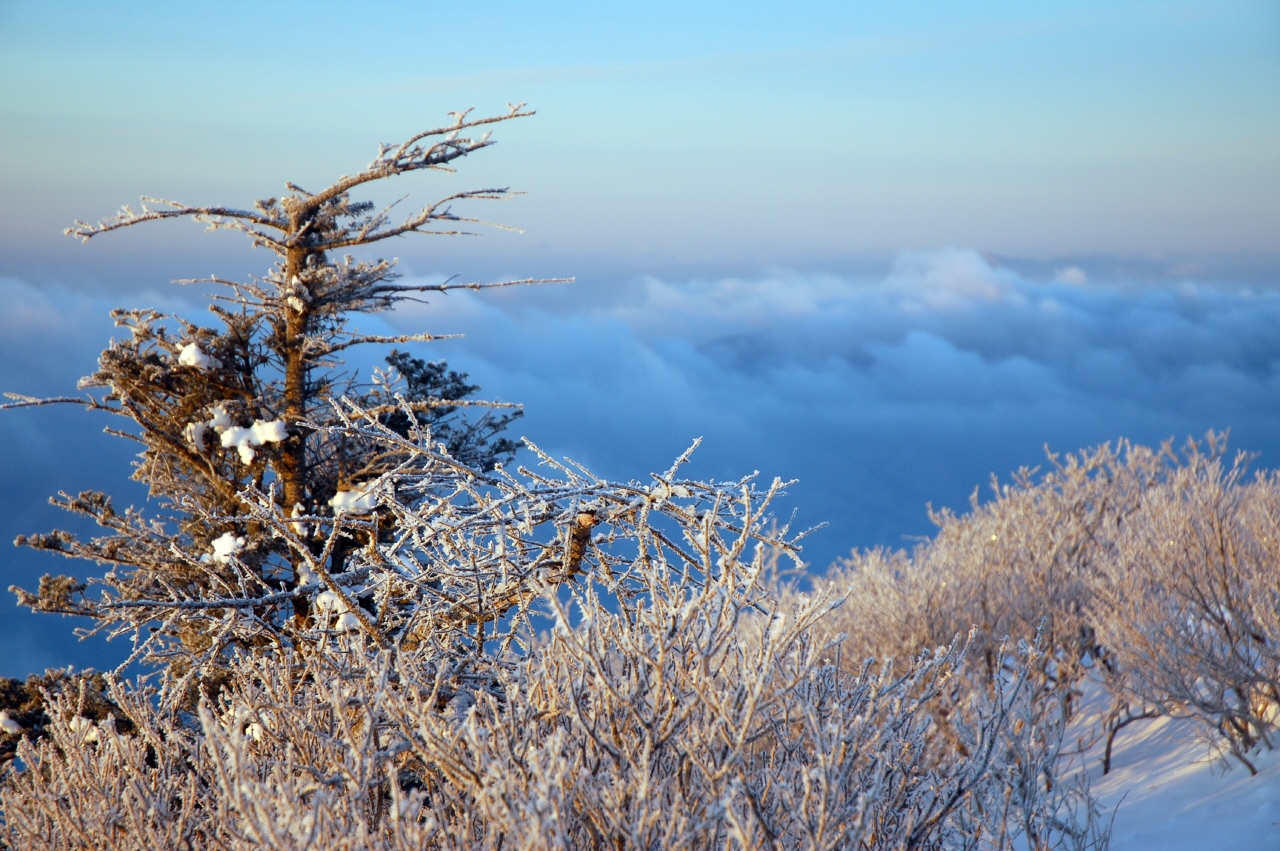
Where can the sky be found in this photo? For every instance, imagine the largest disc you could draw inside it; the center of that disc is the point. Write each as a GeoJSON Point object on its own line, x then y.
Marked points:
{"type": "Point", "coordinates": [887, 249]}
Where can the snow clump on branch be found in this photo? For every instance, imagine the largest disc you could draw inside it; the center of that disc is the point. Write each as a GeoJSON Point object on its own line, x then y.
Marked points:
{"type": "Point", "coordinates": [224, 547]}
{"type": "Point", "coordinates": [195, 433]}
{"type": "Point", "coordinates": [245, 439]}
{"type": "Point", "coordinates": [193, 355]}
{"type": "Point", "coordinates": [221, 418]}
{"type": "Point", "coordinates": [327, 602]}
{"type": "Point", "coordinates": [355, 502]}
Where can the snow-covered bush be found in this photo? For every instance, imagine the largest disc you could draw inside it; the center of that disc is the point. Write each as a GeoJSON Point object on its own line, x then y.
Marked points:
{"type": "Point", "coordinates": [1156, 573]}
{"type": "Point", "coordinates": [660, 699]}
{"type": "Point", "coordinates": [1023, 565]}
{"type": "Point", "coordinates": [1189, 608]}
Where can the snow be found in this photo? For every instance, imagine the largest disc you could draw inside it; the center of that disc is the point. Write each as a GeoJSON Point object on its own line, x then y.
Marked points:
{"type": "Point", "coordinates": [221, 419]}
{"type": "Point", "coordinates": [301, 529]}
{"type": "Point", "coordinates": [1174, 795]}
{"type": "Point", "coordinates": [8, 725]}
{"type": "Point", "coordinates": [269, 432]}
{"type": "Point", "coordinates": [195, 434]}
{"type": "Point", "coordinates": [245, 439]}
{"type": "Point", "coordinates": [356, 502]}
{"type": "Point", "coordinates": [661, 492]}
{"type": "Point", "coordinates": [193, 355]}
{"type": "Point", "coordinates": [299, 296]}
{"type": "Point", "coordinates": [241, 439]}
{"type": "Point", "coordinates": [328, 602]}
{"type": "Point", "coordinates": [225, 546]}
{"type": "Point", "coordinates": [84, 728]}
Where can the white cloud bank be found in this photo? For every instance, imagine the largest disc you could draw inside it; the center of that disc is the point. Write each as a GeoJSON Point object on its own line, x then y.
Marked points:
{"type": "Point", "coordinates": [879, 394]}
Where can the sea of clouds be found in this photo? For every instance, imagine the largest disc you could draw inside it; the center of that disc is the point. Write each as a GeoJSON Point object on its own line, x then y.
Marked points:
{"type": "Point", "coordinates": [879, 394]}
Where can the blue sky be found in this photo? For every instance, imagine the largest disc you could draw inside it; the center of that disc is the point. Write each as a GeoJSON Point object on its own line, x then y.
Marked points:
{"type": "Point", "coordinates": [670, 136]}
{"type": "Point", "coordinates": [886, 248]}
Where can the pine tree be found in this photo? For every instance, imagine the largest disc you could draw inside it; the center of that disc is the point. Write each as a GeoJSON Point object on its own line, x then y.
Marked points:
{"type": "Point", "coordinates": [252, 407]}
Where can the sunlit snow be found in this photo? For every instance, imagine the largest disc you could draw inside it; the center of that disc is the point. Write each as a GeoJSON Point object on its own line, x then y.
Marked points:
{"type": "Point", "coordinates": [355, 502]}
{"type": "Point", "coordinates": [193, 355]}
{"type": "Point", "coordinates": [245, 439]}
{"type": "Point", "coordinates": [225, 546]}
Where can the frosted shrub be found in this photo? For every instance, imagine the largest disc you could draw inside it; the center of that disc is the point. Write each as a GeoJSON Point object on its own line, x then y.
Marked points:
{"type": "Point", "coordinates": [1152, 572]}
{"type": "Point", "coordinates": [1023, 565]}
{"type": "Point", "coordinates": [646, 693]}
{"type": "Point", "coordinates": [1190, 606]}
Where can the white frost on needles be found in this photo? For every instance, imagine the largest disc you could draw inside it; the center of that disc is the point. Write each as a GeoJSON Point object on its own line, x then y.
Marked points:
{"type": "Point", "coordinates": [225, 546]}
{"type": "Point", "coordinates": [777, 628]}
{"type": "Point", "coordinates": [356, 502]}
{"type": "Point", "coordinates": [245, 439]}
{"type": "Point", "coordinates": [193, 355]}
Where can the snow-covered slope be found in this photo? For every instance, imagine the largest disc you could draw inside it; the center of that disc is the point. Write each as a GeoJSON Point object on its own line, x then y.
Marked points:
{"type": "Point", "coordinates": [1173, 794]}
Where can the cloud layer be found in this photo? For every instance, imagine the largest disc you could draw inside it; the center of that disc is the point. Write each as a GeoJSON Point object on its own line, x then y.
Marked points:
{"type": "Point", "coordinates": [880, 395]}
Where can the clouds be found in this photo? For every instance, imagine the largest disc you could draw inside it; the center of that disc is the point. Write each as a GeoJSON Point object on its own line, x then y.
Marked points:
{"type": "Point", "coordinates": [49, 338]}
{"type": "Point", "coordinates": [880, 394]}
{"type": "Point", "coordinates": [944, 328]}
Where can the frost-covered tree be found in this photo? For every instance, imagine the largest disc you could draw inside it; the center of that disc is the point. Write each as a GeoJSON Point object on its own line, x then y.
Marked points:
{"type": "Point", "coordinates": [245, 407]}
{"type": "Point", "coordinates": [475, 443]}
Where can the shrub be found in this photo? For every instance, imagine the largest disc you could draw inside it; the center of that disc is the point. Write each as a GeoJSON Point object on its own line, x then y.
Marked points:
{"type": "Point", "coordinates": [661, 699]}
{"type": "Point", "coordinates": [1189, 607]}
{"type": "Point", "coordinates": [1154, 573]}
